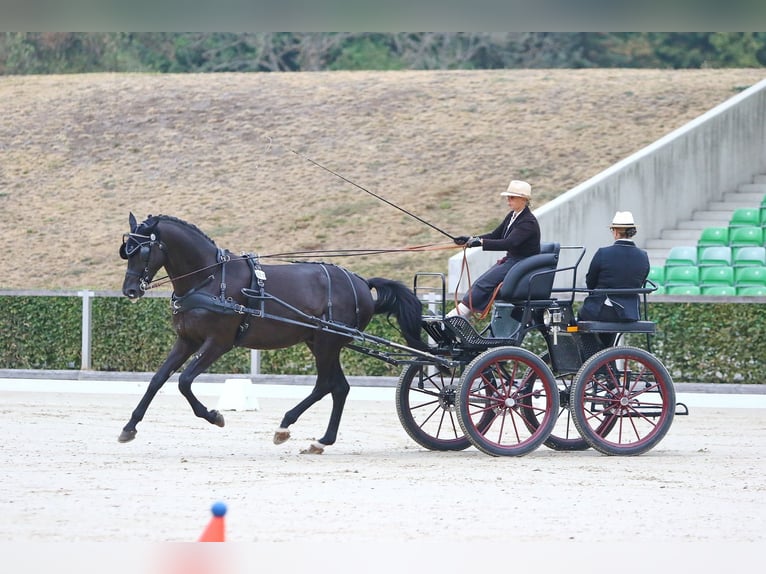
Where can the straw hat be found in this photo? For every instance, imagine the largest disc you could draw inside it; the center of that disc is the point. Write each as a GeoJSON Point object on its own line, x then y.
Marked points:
{"type": "Point", "coordinates": [623, 219]}
{"type": "Point", "coordinates": [519, 189]}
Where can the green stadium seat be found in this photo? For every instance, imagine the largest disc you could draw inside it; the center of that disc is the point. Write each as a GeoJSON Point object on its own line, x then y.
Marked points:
{"type": "Point", "coordinates": [711, 237]}
{"type": "Point", "coordinates": [721, 275]}
{"type": "Point", "coordinates": [751, 291]}
{"type": "Point", "coordinates": [681, 255]}
{"type": "Point", "coordinates": [763, 211]}
{"type": "Point", "coordinates": [745, 217]}
{"type": "Point", "coordinates": [657, 274]}
{"type": "Point", "coordinates": [683, 290]}
{"type": "Point", "coordinates": [722, 290]}
{"type": "Point", "coordinates": [682, 275]}
{"type": "Point", "coordinates": [744, 276]}
{"type": "Point", "coordinates": [659, 291]}
{"type": "Point", "coordinates": [719, 255]}
{"type": "Point", "coordinates": [749, 256]}
{"type": "Point", "coordinates": [743, 236]}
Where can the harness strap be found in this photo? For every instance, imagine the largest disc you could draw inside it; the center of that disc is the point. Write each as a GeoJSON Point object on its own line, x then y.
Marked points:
{"type": "Point", "coordinates": [329, 291]}
{"type": "Point", "coordinates": [254, 294]}
{"type": "Point", "coordinates": [356, 297]}
{"type": "Point", "coordinates": [223, 258]}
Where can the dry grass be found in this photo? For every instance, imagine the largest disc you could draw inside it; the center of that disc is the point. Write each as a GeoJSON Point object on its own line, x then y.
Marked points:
{"type": "Point", "coordinates": [80, 152]}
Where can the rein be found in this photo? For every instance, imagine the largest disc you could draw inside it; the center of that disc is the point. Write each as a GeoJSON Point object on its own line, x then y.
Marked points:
{"type": "Point", "coordinates": [355, 252]}
{"type": "Point", "coordinates": [167, 279]}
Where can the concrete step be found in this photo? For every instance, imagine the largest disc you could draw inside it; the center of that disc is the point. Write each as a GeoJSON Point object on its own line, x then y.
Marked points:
{"type": "Point", "coordinates": [760, 179]}
{"type": "Point", "coordinates": [719, 216]}
{"type": "Point", "coordinates": [754, 188]}
{"type": "Point", "coordinates": [699, 224]}
{"type": "Point", "coordinates": [666, 244]}
{"type": "Point", "coordinates": [750, 198]}
{"type": "Point", "coordinates": [681, 235]}
{"type": "Point", "coordinates": [729, 206]}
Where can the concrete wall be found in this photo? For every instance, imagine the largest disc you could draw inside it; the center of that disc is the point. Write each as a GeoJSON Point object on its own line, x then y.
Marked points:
{"type": "Point", "coordinates": [662, 184]}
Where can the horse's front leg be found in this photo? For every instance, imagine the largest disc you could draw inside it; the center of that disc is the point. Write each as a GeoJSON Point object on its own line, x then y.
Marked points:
{"type": "Point", "coordinates": [206, 356]}
{"type": "Point", "coordinates": [182, 350]}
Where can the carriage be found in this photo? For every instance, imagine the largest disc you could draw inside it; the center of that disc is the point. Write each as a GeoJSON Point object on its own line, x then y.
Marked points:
{"type": "Point", "coordinates": [504, 400]}
{"type": "Point", "coordinates": [461, 388]}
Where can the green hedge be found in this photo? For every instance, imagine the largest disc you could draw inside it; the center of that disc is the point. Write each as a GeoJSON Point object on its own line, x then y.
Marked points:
{"type": "Point", "coordinates": [699, 342]}
{"type": "Point", "coordinates": [45, 333]}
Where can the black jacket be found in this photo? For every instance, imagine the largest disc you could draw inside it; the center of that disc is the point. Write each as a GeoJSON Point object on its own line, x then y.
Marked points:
{"type": "Point", "coordinates": [523, 239]}
{"type": "Point", "coordinates": [622, 265]}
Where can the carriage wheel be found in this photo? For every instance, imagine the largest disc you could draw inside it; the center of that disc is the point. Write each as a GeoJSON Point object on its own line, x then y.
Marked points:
{"type": "Point", "coordinates": [507, 383]}
{"type": "Point", "coordinates": [565, 436]}
{"type": "Point", "coordinates": [623, 401]}
{"type": "Point", "coordinates": [425, 403]}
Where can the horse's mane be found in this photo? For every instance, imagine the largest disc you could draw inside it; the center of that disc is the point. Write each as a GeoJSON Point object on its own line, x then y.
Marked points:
{"type": "Point", "coordinates": [154, 219]}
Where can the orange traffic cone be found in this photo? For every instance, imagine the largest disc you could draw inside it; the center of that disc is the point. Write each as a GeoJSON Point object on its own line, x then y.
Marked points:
{"type": "Point", "coordinates": [215, 529]}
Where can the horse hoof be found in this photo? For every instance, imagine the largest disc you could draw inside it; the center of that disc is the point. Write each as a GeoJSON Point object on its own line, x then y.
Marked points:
{"type": "Point", "coordinates": [127, 436]}
{"type": "Point", "coordinates": [281, 436]}
{"type": "Point", "coordinates": [218, 419]}
{"type": "Point", "coordinates": [314, 448]}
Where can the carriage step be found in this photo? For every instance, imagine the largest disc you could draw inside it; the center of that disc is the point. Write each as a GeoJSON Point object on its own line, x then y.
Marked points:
{"type": "Point", "coordinates": [617, 327]}
{"type": "Point", "coordinates": [682, 409]}
{"type": "Point", "coordinates": [460, 330]}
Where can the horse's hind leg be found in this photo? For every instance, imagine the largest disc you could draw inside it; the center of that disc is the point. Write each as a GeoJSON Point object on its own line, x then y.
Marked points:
{"type": "Point", "coordinates": [283, 432]}
{"type": "Point", "coordinates": [181, 351]}
{"type": "Point", "coordinates": [339, 392]}
{"type": "Point", "coordinates": [330, 379]}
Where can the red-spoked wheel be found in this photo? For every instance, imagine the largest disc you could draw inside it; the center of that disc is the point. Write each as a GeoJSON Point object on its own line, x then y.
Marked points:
{"type": "Point", "coordinates": [512, 385]}
{"type": "Point", "coordinates": [623, 401]}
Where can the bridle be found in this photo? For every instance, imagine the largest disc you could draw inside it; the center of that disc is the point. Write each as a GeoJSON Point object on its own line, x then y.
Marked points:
{"type": "Point", "coordinates": [142, 244]}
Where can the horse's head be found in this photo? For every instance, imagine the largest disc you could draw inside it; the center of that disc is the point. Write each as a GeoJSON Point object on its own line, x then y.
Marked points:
{"type": "Point", "coordinates": [145, 253]}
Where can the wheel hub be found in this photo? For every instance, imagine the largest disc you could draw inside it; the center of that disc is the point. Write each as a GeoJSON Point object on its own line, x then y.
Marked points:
{"type": "Point", "coordinates": [447, 397]}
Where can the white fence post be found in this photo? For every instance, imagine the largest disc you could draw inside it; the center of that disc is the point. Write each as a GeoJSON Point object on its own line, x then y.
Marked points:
{"type": "Point", "coordinates": [255, 362]}
{"type": "Point", "coordinates": [87, 302]}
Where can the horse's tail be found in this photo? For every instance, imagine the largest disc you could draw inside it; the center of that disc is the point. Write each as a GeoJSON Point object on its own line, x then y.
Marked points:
{"type": "Point", "coordinates": [396, 299]}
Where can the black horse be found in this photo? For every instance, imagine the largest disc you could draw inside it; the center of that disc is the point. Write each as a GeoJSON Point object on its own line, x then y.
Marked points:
{"type": "Point", "coordinates": [221, 301]}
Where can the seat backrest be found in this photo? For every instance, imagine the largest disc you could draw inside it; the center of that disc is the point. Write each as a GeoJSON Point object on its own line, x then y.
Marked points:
{"type": "Point", "coordinates": [750, 255]}
{"type": "Point", "coordinates": [721, 290]}
{"type": "Point", "coordinates": [752, 290]}
{"type": "Point", "coordinates": [551, 247]}
{"type": "Point", "coordinates": [745, 217]}
{"type": "Point", "coordinates": [682, 275]}
{"type": "Point", "coordinates": [719, 255]}
{"type": "Point", "coordinates": [682, 255]}
{"type": "Point", "coordinates": [750, 276]}
{"type": "Point", "coordinates": [657, 274]}
{"type": "Point", "coordinates": [718, 275]}
{"type": "Point", "coordinates": [526, 280]}
{"type": "Point", "coordinates": [684, 290]}
{"type": "Point", "coordinates": [713, 236]}
{"type": "Point", "coordinates": [746, 236]}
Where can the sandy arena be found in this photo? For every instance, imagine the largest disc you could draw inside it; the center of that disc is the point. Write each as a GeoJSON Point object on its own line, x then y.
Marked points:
{"type": "Point", "coordinates": [65, 478]}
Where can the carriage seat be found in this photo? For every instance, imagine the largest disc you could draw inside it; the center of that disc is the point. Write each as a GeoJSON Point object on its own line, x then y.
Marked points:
{"type": "Point", "coordinates": [532, 277]}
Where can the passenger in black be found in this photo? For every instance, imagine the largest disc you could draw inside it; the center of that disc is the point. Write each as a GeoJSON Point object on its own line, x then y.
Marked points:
{"type": "Point", "coordinates": [621, 265]}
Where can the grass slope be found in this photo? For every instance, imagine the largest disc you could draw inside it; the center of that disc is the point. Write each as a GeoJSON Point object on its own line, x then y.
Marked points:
{"type": "Point", "coordinates": [80, 152]}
